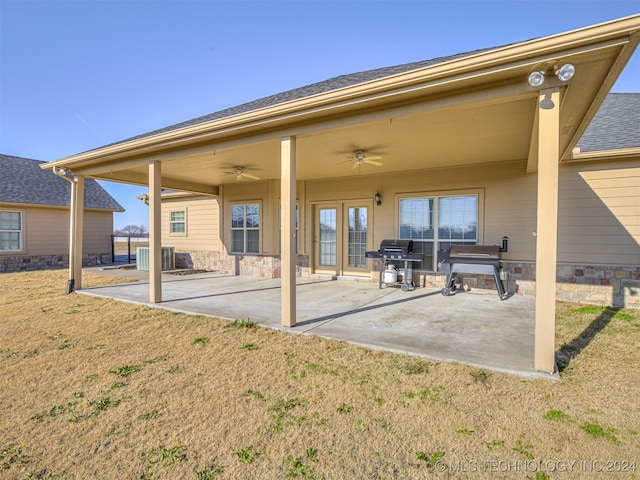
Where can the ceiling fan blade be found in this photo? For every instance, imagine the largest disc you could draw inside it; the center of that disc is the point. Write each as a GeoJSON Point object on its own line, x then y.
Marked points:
{"type": "Point", "coordinates": [374, 157]}
{"type": "Point", "coordinates": [252, 177]}
{"type": "Point", "coordinates": [372, 162]}
{"type": "Point", "coordinates": [356, 164]}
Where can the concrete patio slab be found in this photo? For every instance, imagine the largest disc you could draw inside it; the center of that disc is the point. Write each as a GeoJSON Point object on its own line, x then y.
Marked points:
{"type": "Point", "coordinates": [474, 328]}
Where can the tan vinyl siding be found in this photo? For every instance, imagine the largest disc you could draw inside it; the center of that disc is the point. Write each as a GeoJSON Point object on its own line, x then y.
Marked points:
{"type": "Point", "coordinates": [599, 217]}
{"type": "Point", "coordinates": [98, 228]}
{"type": "Point", "coordinates": [510, 210]}
{"type": "Point", "coordinates": [46, 231]}
{"type": "Point", "coordinates": [508, 195]}
{"type": "Point", "coordinates": [599, 206]}
{"type": "Point", "coordinates": [202, 223]}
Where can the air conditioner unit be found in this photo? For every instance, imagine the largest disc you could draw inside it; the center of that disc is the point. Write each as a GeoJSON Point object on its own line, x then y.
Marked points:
{"type": "Point", "coordinates": [167, 260]}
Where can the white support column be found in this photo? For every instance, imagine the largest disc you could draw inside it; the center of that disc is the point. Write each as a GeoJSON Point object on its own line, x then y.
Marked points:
{"type": "Point", "coordinates": [547, 228]}
{"type": "Point", "coordinates": [79, 231]}
{"type": "Point", "coordinates": [72, 236]}
{"type": "Point", "coordinates": [288, 230]}
{"type": "Point", "coordinates": [155, 258]}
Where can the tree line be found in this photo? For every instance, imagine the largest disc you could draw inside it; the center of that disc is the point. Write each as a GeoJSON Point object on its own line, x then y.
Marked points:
{"type": "Point", "coordinates": [131, 231]}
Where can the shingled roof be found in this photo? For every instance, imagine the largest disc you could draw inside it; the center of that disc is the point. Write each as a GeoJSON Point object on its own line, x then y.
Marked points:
{"type": "Point", "coordinates": [324, 86]}
{"type": "Point", "coordinates": [615, 126]}
{"type": "Point", "coordinates": [23, 181]}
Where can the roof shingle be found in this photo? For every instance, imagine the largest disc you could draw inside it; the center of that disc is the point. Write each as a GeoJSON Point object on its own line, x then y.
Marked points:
{"type": "Point", "coordinates": [616, 125]}
{"type": "Point", "coordinates": [23, 181]}
{"type": "Point", "coordinates": [324, 86]}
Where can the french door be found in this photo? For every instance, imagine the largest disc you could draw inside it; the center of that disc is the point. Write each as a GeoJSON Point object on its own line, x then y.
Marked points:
{"type": "Point", "coordinates": [341, 238]}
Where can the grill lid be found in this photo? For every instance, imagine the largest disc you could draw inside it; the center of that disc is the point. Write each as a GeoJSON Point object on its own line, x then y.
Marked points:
{"type": "Point", "coordinates": [396, 246]}
{"type": "Point", "coordinates": [470, 252]}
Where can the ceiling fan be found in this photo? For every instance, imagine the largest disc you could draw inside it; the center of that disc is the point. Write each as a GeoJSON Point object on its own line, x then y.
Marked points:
{"type": "Point", "coordinates": [241, 174]}
{"type": "Point", "coordinates": [359, 157]}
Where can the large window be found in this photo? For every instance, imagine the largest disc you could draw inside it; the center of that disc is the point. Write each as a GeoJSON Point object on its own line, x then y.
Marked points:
{"type": "Point", "coordinates": [10, 231]}
{"type": "Point", "coordinates": [245, 228]}
{"type": "Point", "coordinates": [435, 223]}
{"type": "Point", "coordinates": [178, 222]}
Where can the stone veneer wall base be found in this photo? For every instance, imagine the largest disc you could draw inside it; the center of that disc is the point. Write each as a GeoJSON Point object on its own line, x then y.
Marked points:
{"type": "Point", "coordinates": [20, 263]}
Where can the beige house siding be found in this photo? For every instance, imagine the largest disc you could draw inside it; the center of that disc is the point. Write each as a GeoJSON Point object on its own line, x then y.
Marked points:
{"type": "Point", "coordinates": [508, 196]}
{"type": "Point", "coordinates": [46, 231]}
{"type": "Point", "coordinates": [599, 214]}
{"type": "Point", "coordinates": [598, 238]}
{"type": "Point", "coordinates": [200, 246]}
{"type": "Point", "coordinates": [599, 209]}
{"type": "Point", "coordinates": [202, 223]}
{"type": "Point", "coordinates": [46, 238]}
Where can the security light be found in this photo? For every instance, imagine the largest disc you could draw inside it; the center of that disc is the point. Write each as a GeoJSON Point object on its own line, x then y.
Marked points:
{"type": "Point", "coordinates": [565, 72]}
{"type": "Point", "coordinates": [536, 79]}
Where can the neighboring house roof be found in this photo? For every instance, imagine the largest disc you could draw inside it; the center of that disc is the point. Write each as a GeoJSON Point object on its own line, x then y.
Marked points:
{"type": "Point", "coordinates": [616, 125]}
{"type": "Point", "coordinates": [23, 181]}
{"type": "Point", "coordinates": [324, 86]}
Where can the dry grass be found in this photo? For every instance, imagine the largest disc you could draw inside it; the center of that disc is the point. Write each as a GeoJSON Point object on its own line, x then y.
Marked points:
{"type": "Point", "coordinates": [121, 248]}
{"type": "Point", "coordinates": [96, 389]}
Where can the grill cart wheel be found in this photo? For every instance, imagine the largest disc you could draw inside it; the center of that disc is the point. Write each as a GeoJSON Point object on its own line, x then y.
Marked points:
{"type": "Point", "coordinates": [445, 292]}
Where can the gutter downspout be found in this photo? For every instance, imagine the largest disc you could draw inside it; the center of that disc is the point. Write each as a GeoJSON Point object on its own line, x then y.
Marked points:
{"type": "Point", "coordinates": [72, 226]}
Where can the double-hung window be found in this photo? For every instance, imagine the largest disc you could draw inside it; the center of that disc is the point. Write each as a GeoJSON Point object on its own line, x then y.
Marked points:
{"type": "Point", "coordinates": [10, 231]}
{"type": "Point", "coordinates": [178, 222]}
{"type": "Point", "coordinates": [437, 222]}
{"type": "Point", "coordinates": [245, 228]}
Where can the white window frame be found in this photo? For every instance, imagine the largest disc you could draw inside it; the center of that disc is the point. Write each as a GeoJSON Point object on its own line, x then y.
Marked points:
{"type": "Point", "coordinates": [437, 195]}
{"type": "Point", "coordinates": [175, 222]}
{"type": "Point", "coordinates": [244, 228]}
{"type": "Point", "coordinates": [19, 232]}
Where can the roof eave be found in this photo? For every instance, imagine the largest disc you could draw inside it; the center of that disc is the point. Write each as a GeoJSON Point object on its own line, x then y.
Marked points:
{"type": "Point", "coordinates": [452, 72]}
{"type": "Point", "coordinates": [615, 154]}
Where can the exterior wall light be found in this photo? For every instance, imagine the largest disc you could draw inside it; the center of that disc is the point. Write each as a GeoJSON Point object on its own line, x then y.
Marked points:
{"type": "Point", "coordinates": [536, 79]}
{"type": "Point", "coordinates": [377, 198]}
{"type": "Point", "coordinates": [566, 72]}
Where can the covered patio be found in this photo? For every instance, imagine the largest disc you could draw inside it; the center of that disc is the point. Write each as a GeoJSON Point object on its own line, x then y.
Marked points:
{"type": "Point", "coordinates": [495, 124]}
{"type": "Point", "coordinates": [474, 327]}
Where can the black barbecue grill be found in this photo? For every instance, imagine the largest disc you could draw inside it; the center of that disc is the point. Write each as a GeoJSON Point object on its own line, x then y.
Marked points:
{"type": "Point", "coordinates": [392, 250]}
{"type": "Point", "coordinates": [476, 260]}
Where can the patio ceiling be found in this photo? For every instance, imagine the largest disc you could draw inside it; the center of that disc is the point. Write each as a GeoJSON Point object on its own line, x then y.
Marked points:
{"type": "Point", "coordinates": [478, 109]}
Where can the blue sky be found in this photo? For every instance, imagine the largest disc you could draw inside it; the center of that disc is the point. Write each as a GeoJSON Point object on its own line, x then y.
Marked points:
{"type": "Point", "coordinates": [76, 75]}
